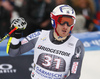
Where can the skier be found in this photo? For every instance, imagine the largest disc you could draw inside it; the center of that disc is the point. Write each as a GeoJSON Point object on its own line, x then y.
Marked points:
{"type": "Point", "coordinates": [57, 54]}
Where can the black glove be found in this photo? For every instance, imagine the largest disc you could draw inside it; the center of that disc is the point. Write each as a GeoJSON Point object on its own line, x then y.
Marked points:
{"type": "Point", "coordinates": [21, 24]}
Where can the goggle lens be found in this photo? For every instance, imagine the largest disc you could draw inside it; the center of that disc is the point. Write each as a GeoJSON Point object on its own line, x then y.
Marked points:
{"type": "Point", "coordinates": [66, 19]}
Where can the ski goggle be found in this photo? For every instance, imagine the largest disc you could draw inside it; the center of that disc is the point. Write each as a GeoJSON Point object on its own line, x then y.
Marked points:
{"type": "Point", "coordinates": [66, 19]}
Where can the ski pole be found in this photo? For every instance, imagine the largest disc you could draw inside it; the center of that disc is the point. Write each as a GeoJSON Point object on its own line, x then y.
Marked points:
{"type": "Point", "coordinates": [8, 34]}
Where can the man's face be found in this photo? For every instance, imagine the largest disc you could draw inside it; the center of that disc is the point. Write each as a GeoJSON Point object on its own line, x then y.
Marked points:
{"type": "Point", "coordinates": [64, 24]}
{"type": "Point", "coordinates": [63, 30]}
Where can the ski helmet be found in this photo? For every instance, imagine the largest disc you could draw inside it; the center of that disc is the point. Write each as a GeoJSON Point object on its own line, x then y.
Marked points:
{"type": "Point", "coordinates": [61, 10]}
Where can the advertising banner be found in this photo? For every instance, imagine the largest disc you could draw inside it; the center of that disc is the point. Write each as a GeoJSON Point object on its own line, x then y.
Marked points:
{"type": "Point", "coordinates": [91, 40]}
{"type": "Point", "coordinates": [16, 67]}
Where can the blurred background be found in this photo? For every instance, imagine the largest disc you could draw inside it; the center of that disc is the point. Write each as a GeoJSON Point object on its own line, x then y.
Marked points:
{"type": "Point", "coordinates": [37, 15]}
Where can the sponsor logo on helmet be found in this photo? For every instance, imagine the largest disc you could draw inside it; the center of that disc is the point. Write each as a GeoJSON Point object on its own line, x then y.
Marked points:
{"type": "Point", "coordinates": [66, 8]}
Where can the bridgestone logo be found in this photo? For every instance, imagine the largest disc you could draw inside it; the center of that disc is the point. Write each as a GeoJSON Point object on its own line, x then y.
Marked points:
{"type": "Point", "coordinates": [53, 51]}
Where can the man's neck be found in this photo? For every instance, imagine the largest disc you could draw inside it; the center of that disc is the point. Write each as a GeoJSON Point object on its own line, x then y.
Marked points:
{"type": "Point", "coordinates": [59, 38]}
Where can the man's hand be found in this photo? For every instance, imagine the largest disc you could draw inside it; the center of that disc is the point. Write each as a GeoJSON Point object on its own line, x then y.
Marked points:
{"type": "Point", "coordinates": [20, 23]}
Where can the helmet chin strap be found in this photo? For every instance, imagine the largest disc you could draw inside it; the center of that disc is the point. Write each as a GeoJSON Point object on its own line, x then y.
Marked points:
{"type": "Point", "coordinates": [56, 32]}
{"type": "Point", "coordinates": [58, 37]}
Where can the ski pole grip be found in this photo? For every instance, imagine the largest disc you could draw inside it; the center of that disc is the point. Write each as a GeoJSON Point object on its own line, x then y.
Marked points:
{"type": "Point", "coordinates": [13, 30]}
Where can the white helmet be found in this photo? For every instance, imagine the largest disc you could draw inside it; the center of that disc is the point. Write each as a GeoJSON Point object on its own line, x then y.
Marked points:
{"type": "Point", "coordinates": [62, 10]}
